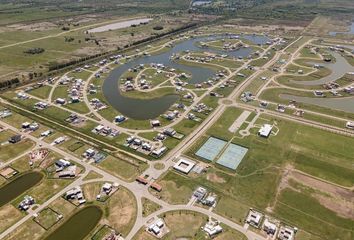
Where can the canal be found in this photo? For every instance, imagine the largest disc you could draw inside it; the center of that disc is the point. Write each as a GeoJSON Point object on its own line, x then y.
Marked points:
{"type": "Point", "coordinates": [18, 186]}
{"type": "Point", "coordinates": [338, 69]}
{"type": "Point", "coordinates": [79, 225]}
{"type": "Point", "coordinates": [345, 104]}
{"type": "Point", "coordinates": [143, 109]}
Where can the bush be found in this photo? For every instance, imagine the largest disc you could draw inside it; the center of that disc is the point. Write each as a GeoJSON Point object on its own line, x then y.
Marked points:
{"type": "Point", "coordinates": [34, 50]}
{"type": "Point", "coordinates": [158, 28]}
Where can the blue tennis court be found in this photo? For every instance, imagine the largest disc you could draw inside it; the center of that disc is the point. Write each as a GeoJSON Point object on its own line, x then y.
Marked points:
{"type": "Point", "coordinates": [211, 148]}
{"type": "Point", "coordinates": [232, 156]}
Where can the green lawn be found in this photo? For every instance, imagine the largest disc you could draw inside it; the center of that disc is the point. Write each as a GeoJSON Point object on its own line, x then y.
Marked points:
{"type": "Point", "coordinates": [42, 92]}
{"type": "Point", "coordinates": [121, 168]}
{"type": "Point", "coordinates": [9, 151]}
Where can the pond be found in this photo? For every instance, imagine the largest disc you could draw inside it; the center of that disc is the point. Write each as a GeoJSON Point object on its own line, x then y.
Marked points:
{"type": "Point", "coordinates": [79, 225]}
{"type": "Point", "coordinates": [345, 104]}
{"type": "Point", "coordinates": [143, 109]}
{"type": "Point", "coordinates": [18, 186]}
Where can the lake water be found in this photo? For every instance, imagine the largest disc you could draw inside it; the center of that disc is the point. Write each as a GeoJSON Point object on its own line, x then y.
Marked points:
{"type": "Point", "coordinates": [345, 104]}
{"type": "Point", "coordinates": [151, 108]}
{"type": "Point", "coordinates": [351, 31]}
{"type": "Point", "coordinates": [79, 225]}
{"type": "Point", "coordinates": [119, 25]}
{"type": "Point", "coordinates": [18, 186]}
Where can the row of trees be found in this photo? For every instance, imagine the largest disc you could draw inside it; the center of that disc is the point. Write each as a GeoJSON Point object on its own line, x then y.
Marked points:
{"type": "Point", "coordinates": [9, 83]}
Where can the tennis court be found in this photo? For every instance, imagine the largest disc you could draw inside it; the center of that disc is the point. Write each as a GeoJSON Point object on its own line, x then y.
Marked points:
{"type": "Point", "coordinates": [232, 156]}
{"type": "Point", "coordinates": [211, 148]}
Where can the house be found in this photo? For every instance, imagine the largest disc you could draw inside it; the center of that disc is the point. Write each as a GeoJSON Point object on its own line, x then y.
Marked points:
{"type": "Point", "coordinates": [146, 146]}
{"type": "Point", "coordinates": [263, 104]}
{"type": "Point", "coordinates": [59, 140]}
{"type": "Point", "coordinates": [61, 164]}
{"type": "Point", "coordinates": [15, 139]}
{"type": "Point", "coordinates": [25, 125]}
{"type": "Point", "coordinates": [280, 108]}
{"type": "Point", "coordinates": [142, 180]}
{"type": "Point", "coordinates": [26, 203]}
{"type": "Point", "coordinates": [5, 113]}
{"type": "Point", "coordinates": [318, 93]}
{"type": "Point", "coordinates": [119, 119]}
{"type": "Point", "coordinates": [69, 173]}
{"type": "Point", "coordinates": [89, 153]}
{"type": "Point", "coordinates": [99, 128]}
{"type": "Point", "coordinates": [200, 193]}
{"type": "Point", "coordinates": [254, 218]}
{"type": "Point", "coordinates": [349, 125]}
{"type": "Point", "coordinates": [22, 95]}
{"type": "Point", "coordinates": [73, 193]}
{"type": "Point", "coordinates": [155, 123]}
{"type": "Point", "coordinates": [75, 99]}
{"type": "Point", "coordinates": [158, 152]}
{"type": "Point", "coordinates": [210, 200]}
{"type": "Point", "coordinates": [265, 130]}
{"type": "Point", "coordinates": [107, 188]}
{"type": "Point", "coordinates": [41, 105]}
{"type": "Point", "coordinates": [212, 228]}
{"type": "Point", "coordinates": [46, 133]}
{"type": "Point", "coordinates": [184, 166]}
{"type": "Point", "coordinates": [156, 227]}
{"type": "Point", "coordinates": [286, 233]}
{"type": "Point", "coordinates": [169, 132]}
{"type": "Point", "coordinates": [60, 101]}
{"type": "Point", "coordinates": [156, 187]}
{"type": "Point", "coordinates": [33, 126]}
{"type": "Point", "coordinates": [269, 227]}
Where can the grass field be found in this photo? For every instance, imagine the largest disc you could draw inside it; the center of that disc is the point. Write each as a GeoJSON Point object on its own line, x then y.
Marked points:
{"type": "Point", "coordinates": [122, 168]}
{"type": "Point", "coordinates": [149, 206]}
{"type": "Point", "coordinates": [307, 213]}
{"type": "Point", "coordinates": [10, 151]}
{"type": "Point", "coordinates": [42, 92]}
{"type": "Point", "coordinates": [121, 210]}
{"type": "Point", "coordinates": [28, 230]}
{"type": "Point", "coordinates": [184, 224]}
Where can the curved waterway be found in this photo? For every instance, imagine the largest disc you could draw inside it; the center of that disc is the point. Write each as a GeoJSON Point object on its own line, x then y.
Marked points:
{"type": "Point", "coordinates": [79, 225]}
{"type": "Point", "coordinates": [143, 109]}
{"type": "Point", "coordinates": [345, 104]}
{"type": "Point", "coordinates": [18, 186]}
{"type": "Point", "coordinates": [351, 31]}
{"type": "Point", "coordinates": [338, 70]}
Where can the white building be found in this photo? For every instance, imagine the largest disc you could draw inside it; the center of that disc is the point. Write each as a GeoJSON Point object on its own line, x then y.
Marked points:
{"type": "Point", "coordinates": [269, 227]}
{"type": "Point", "coordinates": [254, 218]}
{"type": "Point", "coordinates": [212, 228]}
{"type": "Point", "coordinates": [59, 140]}
{"type": "Point", "coordinates": [286, 233]}
{"type": "Point", "coordinates": [350, 125]}
{"type": "Point", "coordinates": [265, 130]}
{"type": "Point", "coordinates": [184, 165]}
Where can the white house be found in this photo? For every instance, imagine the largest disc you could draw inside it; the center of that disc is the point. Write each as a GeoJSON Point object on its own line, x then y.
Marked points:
{"type": "Point", "coordinates": [265, 130]}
